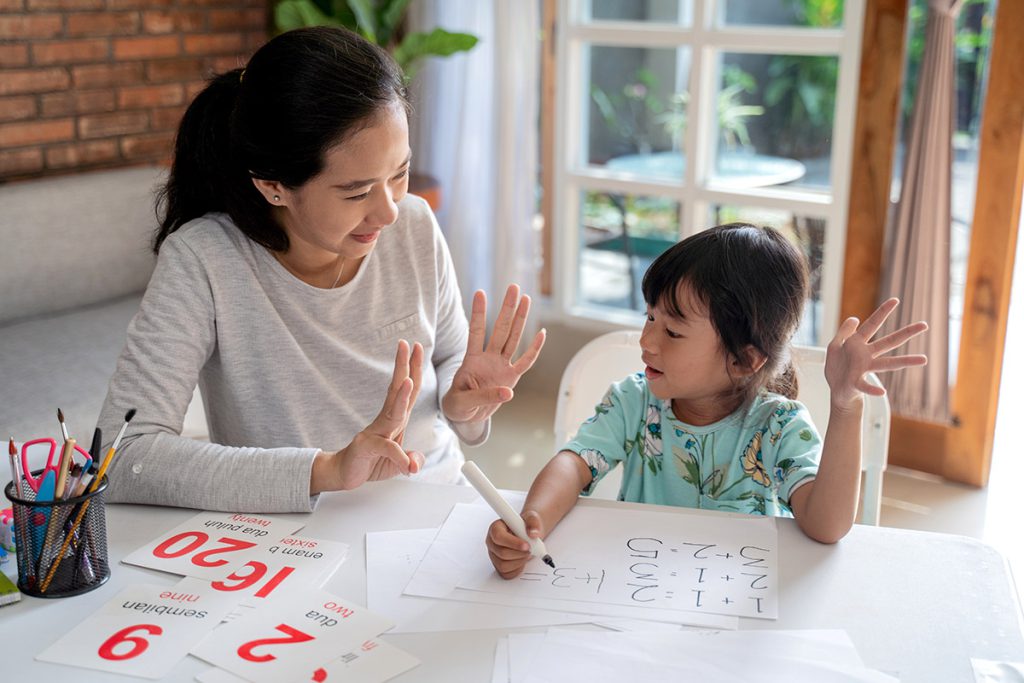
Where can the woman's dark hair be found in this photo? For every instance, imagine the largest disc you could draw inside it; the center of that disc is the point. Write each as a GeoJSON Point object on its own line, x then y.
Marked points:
{"type": "Point", "coordinates": [752, 284]}
{"type": "Point", "coordinates": [302, 93]}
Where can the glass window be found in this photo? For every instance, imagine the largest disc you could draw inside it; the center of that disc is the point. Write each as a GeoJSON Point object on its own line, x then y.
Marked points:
{"type": "Point", "coordinates": [663, 11]}
{"type": "Point", "coordinates": [816, 13]}
{"type": "Point", "coordinates": [775, 115]}
{"type": "Point", "coordinates": [620, 236]}
{"type": "Point", "coordinates": [637, 102]}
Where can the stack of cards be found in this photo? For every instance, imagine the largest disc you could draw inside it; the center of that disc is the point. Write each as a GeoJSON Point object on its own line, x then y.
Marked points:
{"type": "Point", "coordinates": [254, 573]}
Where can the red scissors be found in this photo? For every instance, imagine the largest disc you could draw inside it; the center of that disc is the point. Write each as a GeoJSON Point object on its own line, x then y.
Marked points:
{"type": "Point", "coordinates": [36, 482]}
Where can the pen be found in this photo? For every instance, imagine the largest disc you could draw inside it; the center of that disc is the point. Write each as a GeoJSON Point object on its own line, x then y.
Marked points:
{"type": "Point", "coordinates": [490, 494]}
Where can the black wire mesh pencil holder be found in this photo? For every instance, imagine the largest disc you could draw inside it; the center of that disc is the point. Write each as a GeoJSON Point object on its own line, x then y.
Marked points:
{"type": "Point", "coordinates": [61, 544]}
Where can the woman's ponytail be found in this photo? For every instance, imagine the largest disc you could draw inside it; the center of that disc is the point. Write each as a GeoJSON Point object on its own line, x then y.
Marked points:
{"type": "Point", "coordinates": [203, 170]}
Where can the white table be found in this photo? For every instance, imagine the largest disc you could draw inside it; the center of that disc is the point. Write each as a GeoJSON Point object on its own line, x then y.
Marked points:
{"type": "Point", "coordinates": [917, 604]}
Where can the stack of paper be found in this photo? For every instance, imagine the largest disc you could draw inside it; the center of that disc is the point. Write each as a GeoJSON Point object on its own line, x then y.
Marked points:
{"type": "Point", "coordinates": [654, 656]}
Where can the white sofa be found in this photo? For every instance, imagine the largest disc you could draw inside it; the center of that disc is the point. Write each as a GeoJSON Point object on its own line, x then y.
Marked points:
{"type": "Point", "coordinates": [75, 256]}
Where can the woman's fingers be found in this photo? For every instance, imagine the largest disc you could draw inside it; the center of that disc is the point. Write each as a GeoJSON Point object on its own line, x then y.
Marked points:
{"type": "Point", "coordinates": [391, 419]}
{"type": "Point", "coordinates": [529, 356]}
{"type": "Point", "coordinates": [503, 324]}
{"type": "Point", "coordinates": [477, 323]}
{"type": "Point", "coordinates": [518, 325]}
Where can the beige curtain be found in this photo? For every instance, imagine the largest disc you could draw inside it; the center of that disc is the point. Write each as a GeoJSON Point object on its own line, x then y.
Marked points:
{"type": "Point", "coordinates": [917, 267]}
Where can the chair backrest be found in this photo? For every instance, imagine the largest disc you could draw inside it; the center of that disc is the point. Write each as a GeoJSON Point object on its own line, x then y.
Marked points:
{"type": "Point", "coordinates": [615, 355]}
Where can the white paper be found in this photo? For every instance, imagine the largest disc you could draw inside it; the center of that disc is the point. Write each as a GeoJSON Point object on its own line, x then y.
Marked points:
{"type": "Point", "coordinates": [391, 559]}
{"type": "Point", "coordinates": [737, 657]}
{"type": "Point", "coordinates": [374, 662]}
{"type": "Point", "coordinates": [290, 634]}
{"type": "Point", "coordinates": [990, 671]}
{"type": "Point", "coordinates": [501, 661]}
{"type": "Point", "coordinates": [207, 544]}
{"type": "Point", "coordinates": [716, 564]}
{"type": "Point", "coordinates": [459, 551]}
{"type": "Point", "coordinates": [292, 562]}
{"type": "Point", "coordinates": [144, 631]}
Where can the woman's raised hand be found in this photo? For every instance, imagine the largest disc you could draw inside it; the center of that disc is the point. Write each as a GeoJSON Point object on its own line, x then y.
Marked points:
{"type": "Point", "coordinates": [852, 354]}
{"type": "Point", "coordinates": [488, 373]}
{"type": "Point", "coordinates": [376, 452]}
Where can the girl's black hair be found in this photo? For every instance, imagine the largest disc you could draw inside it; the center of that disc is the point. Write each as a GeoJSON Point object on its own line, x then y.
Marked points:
{"type": "Point", "coordinates": [753, 286]}
{"type": "Point", "coordinates": [302, 93]}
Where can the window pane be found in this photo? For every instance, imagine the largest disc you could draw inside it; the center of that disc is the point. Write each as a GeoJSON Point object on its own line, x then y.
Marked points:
{"type": "Point", "coordinates": [637, 101]}
{"type": "Point", "coordinates": [661, 11]}
{"type": "Point", "coordinates": [807, 233]}
{"type": "Point", "coordinates": [620, 236]}
{"type": "Point", "coordinates": [775, 115]}
{"type": "Point", "coordinates": [814, 13]}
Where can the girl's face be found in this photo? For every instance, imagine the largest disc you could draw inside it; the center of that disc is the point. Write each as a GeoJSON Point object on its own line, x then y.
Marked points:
{"type": "Point", "coordinates": [685, 361]}
{"type": "Point", "coordinates": [341, 211]}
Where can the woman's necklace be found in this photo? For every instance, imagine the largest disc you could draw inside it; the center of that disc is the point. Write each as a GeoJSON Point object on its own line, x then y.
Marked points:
{"type": "Point", "coordinates": [340, 271]}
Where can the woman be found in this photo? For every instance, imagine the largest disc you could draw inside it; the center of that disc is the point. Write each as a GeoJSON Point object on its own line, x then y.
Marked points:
{"type": "Point", "coordinates": [291, 266]}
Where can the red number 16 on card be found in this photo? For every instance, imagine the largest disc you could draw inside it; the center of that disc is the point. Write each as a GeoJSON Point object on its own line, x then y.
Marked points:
{"type": "Point", "coordinates": [250, 578]}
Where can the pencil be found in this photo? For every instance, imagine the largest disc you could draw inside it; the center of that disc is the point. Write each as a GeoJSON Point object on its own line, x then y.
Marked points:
{"type": "Point", "coordinates": [85, 506]}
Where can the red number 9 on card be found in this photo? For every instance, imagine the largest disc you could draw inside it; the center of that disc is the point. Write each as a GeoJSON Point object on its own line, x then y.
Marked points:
{"type": "Point", "coordinates": [138, 643]}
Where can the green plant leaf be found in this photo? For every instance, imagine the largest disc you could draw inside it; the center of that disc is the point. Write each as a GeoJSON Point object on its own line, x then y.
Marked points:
{"type": "Point", "coordinates": [389, 16]}
{"type": "Point", "coordinates": [366, 18]}
{"type": "Point", "coordinates": [438, 43]}
{"type": "Point", "coordinates": [292, 14]}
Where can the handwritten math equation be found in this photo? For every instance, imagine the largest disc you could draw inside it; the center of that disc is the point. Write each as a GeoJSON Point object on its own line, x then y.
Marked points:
{"type": "Point", "coordinates": [647, 571]}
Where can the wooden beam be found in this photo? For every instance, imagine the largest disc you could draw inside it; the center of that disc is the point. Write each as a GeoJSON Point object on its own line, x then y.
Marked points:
{"type": "Point", "coordinates": [547, 143]}
{"type": "Point", "coordinates": [874, 143]}
{"type": "Point", "coordinates": [993, 246]}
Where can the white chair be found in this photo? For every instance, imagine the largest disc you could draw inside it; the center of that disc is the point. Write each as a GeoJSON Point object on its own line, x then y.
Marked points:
{"type": "Point", "coordinates": [616, 355]}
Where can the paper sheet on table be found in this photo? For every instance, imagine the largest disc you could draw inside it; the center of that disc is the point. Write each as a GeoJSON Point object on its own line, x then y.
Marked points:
{"type": "Point", "coordinates": [991, 671]}
{"type": "Point", "coordinates": [500, 673]}
{"type": "Point", "coordinates": [458, 551]}
{"type": "Point", "coordinates": [821, 656]}
{"type": "Point", "coordinates": [391, 559]}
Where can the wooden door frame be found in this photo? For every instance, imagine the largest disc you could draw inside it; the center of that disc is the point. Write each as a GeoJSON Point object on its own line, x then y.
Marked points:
{"type": "Point", "coordinates": [962, 450]}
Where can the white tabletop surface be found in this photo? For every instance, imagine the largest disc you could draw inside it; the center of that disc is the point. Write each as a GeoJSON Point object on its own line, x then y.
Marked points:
{"type": "Point", "coordinates": [916, 604]}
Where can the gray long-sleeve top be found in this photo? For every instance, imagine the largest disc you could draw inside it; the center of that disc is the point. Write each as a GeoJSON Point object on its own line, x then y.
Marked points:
{"type": "Point", "coordinates": [285, 368]}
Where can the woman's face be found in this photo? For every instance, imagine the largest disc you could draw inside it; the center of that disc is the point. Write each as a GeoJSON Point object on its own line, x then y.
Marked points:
{"type": "Point", "coordinates": [341, 211]}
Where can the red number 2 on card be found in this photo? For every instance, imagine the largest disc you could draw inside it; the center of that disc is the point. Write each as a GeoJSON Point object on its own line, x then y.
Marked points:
{"type": "Point", "coordinates": [292, 636]}
{"type": "Point", "coordinates": [259, 570]}
{"type": "Point", "coordinates": [199, 538]}
{"type": "Point", "coordinates": [138, 643]}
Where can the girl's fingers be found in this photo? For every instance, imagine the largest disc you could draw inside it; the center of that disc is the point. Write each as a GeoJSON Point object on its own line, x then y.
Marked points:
{"type": "Point", "coordinates": [891, 363]}
{"type": "Point", "coordinates": [868, 388]}
{"type": "Point", "coordinates": [847, 328]}
{"type": "Point", "coordinates": [518, 324]}
{"type": "Point", "coordinates": [875, 321]}
{"type": "Point", "coordinates": [504, 322]}
{"type": "Point", "coordinates": [529, 356]}
{"type": "Point", "coordinates": [897, 338]}
{"type": "Point", "coordinates": [477, 323]}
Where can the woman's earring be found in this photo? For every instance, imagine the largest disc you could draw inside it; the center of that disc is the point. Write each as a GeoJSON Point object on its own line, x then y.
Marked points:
{"type": "Point", "coordinates": [277, 198]}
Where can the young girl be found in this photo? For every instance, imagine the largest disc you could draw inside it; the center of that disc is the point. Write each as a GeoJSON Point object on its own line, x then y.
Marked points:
{"type": "Point", "coordinates": [711, 422]}
{"type": "Point", "coordinates": [291, 266]}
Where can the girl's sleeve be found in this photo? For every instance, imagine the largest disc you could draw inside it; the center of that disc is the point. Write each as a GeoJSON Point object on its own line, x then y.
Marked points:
{"type": "Point", "coordinates": [601, 439]}
{"type": "Point", "coordinates": [797, 450]}
{"type": "Point", "coordinates": [169, 340]}
{"type": "Point", "coordinates": [452, 333]}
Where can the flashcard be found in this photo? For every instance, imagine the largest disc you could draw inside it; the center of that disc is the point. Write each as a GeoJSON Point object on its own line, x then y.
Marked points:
{"type": "Point", "coordinates": [293, 561]}
{"type": "Point", "coordinates": [373, 662]}
{"type": "Point", "coordinates": [144, 631]}
{"type": "Point", "coordinates": [210, 542]}
{"type": "Point", "coordinates": [290, 634]}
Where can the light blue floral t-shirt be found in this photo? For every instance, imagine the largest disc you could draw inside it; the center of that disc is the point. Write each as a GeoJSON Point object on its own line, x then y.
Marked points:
{"type": "Point", "coordinates": [750, 461]}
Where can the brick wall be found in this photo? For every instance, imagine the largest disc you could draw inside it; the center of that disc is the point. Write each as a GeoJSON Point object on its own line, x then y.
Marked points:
{"type": "Point", "coordinates": [100, 83]}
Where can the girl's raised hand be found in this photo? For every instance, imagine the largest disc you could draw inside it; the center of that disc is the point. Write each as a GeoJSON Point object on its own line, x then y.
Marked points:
{"type": "Point", "coordinates": [852, 354]}
{"type": "Point", "coordinates": [376, 452]}
{"type": "Point", "coordinates": [487, 375]}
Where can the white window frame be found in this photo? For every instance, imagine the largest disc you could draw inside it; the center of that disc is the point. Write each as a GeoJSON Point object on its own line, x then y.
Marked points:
{"type": "Point", "coordinates": [706, 39]}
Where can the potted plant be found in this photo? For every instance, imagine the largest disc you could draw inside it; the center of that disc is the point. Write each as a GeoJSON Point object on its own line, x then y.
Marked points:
{"type": "Point", "coordinates": [380, 22]}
